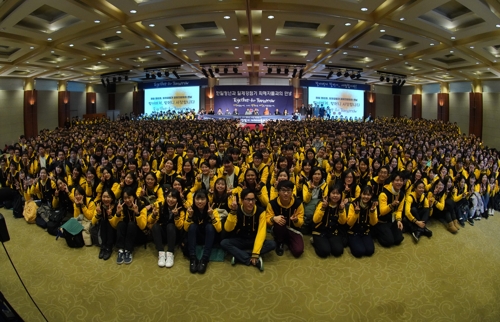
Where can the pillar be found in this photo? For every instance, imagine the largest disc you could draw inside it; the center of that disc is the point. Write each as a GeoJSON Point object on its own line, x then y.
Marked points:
{"type": "Point", "coordinates": [30, 109]}
{"type": "Point", "coordinates": [63, 103]}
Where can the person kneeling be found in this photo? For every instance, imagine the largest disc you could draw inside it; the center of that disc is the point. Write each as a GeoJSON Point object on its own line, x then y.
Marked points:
{"type": "Point", "coordinates": [249, 224]}
{"type": "Point", "coordinates": [286, 215]}
{"type": "Point", "coordinates": [362, 216]}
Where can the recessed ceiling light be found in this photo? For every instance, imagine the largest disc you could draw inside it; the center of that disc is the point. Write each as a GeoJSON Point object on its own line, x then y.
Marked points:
{"type": "Point", "coordinates": [236, 47]}
{"type": "Point", "coordinates": [159, 53]}
{"type": "Point", "coordinates": [318, 50]}
{"type": "Point", "coordinates": [118, 59]}
{"type": "Point", "coordinates": [196, 60]}
{"type": "Point", "coordinates": [387, 59]}
{"type": "Point", "coordinates": [71, 45]}
{"type": "Point", "coordinates": [147, 47]}
{"type": "Point", "coordinates": [471, 47]}
{"type": "Point", "coordinates": [347, 24]}
{"type": "Point", "coordinates": [364, 9]}
{"type": "Point", "coordinates": [345, 53]}
{"type": "Point", "coordinates": [267, 39]}
{"type": "Point", "coordinates": [355, 46]}
{"type": "Point", "coordinates": [133, 11]}
{"type": "Point", "coordinates": [32, 47]}
{"type": "Point", "coordinates": [241, 58]}
{"type": "Point", "coordinates": [49, 39]}
{"type": "Point", "coordinates": [308, 60]}
{"type": "Point", "coordinates": [477, 63]}
{"type": "Point", "coordinates": [401, 19]}
{"type": "Point", "coordinates": [498, 26]}
{"type": "Point", "coordinates": [452, 37]}
{"type": "Point", "coordinates": [420, 59]}
{"type": "Point", "coordinates": [382, 30]}
{"type": "Point", "coordinates": [184, 50]}
{"type": "Point", "coordinates": [97, 21]}
{"type": "Point", "coordinates": [330, 62]}
{"type": "Point", "coordinates": [270, 17]}
{"type": "Point", "coordinates": [27, 62]}
{"type": "Point", "coordinates": [85, 59]}
{"type": "Point", "coordinates": [234, 39]}
{"type": "Point", "coordinates": [151, 24]}
{"type": "Point", "coordinates": [266, 47]}
{"type": "Point", "coordinates": [175, 43]}
{"type": "Point", "coordinates": [103, 54]}
{"type": "Point", "coordinates": [432, 44]}
{"type": "Point", "coordinates": [451, 51]}
{"type": "Point", "coordinates": [327, 42]}
{"type": "Point", "coordinates": [52, 51]}
{"type": "Point", "coordinates": [118, 32]}
{"type": "Point", "coordinates": [400, 54]}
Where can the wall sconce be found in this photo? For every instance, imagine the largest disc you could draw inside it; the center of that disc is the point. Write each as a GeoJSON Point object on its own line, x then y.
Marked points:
{"type": "Point", "coordinates": [441, 102]}
{"type": "Point", "coordinates": [93, 102]}
{"type": "Point", "coordinates": [371, 99]}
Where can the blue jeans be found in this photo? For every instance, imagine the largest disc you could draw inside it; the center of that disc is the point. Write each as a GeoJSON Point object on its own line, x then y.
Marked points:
{"type": "Point", "coordinates": [486, 200]}
{"type": "Point", "coordinates": [238, 247]}
{"type": "Point", "coordinates": [202, 234]}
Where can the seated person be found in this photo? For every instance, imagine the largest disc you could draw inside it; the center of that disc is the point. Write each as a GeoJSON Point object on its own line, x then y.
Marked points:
{"type": "Point", "coordinates": [277, 112]}
{"type": "Point", "coordinates": [286, 215]}
{"type": "Point", "coordinates": [248, 221]}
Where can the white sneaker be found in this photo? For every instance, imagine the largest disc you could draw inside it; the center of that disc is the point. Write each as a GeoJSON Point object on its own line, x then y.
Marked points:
{"type": "Point", "coordinates": [161, 259]}
{"type": "Point", "coordinates": [170, 260]}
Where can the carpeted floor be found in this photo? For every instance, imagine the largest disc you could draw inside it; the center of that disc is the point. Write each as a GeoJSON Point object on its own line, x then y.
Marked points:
{"type": "Point", "coordinates": [445, 278]}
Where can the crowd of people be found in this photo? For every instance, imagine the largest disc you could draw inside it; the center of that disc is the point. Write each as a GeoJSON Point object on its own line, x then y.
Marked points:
{"type": "Point", "coordinates": [187, 182]}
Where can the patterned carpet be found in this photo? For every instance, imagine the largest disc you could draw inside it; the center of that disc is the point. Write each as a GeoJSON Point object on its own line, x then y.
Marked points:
{"type": "Point", "coordinates": [445, 278]}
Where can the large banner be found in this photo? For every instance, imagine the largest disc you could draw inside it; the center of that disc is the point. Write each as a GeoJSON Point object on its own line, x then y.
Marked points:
{"type": "Point", "coordinates": [253, 100]}
{"type": "Point", "coordinates": [337, 103]}
{"type": "Point", "coordinates": [178, 99]}
{"type": "Point", "coordinates": [261, 119]}
{"type": "Point", "coordinates": [173, 83]}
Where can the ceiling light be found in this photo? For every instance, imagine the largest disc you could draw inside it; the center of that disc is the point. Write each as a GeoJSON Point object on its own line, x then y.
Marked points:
{"type": "Point", "coordinates": [432, 44]}
{"type": "Point", "coordinates": [347, 24]}
{"type": "Point", "coordinates": [401, 19]}
{"type": "Point", "coordinates": [146, 47]}
{"type": "Point", "coordinates": [118, 59]}
{"type": "Point", "coordinates": [471, 47]}
{"type": "Point", "coordinates": [159, 53]}
{"type": "Point", "coordinates": [382, 30]}
{"type": "Point", "coordinates": [498, 26]}
{"type": "Point", "coordinates": [387, 59]}
{"type": "Point", "coordinates": [49, 39]}
{"type": "Point", "coordinates": [270, 17]}
{"type": "Point", "coordinates": [267, 39]}
{"type": "Point", "coordinates": [452, 38]}
{"type": "Point", "coordinates": [234, 39]}
{"type": "Point", "coordinates": [327, 42]}
{"type": "Point", "coordinates": [318, 50]}
{"type": "Point", "coordinates": [32, 47]}
{"type": "Point", "coordinates": [236, 47]}
{"type": "Point", "coordinates": [308, 60]}
{"type": "Point", "coordinates": [364, 9]}
{"type": "Point", "coordinates": [97, 21]}
{"type": "Point", "coordinates": [227, 17]}
{"type": "Point", "coordinates": [184, 50]}
{"type": "Point", "coordinates": [71, 45]}
{"type": "Point", "coordinates": [400, 54]}
{"type": "Point", "coordinates": [103, 54]}
{"type": "Point", "coordinates": [133, 11]}
{"type": "Point", "coordinates": [118, 32]}
{"type": "Point", "coordinates": [85, 59]}
{"type": "Point", "coordinates": [451, 51]}
{"type": "Point", "coordinates": [52, 51]}
{"type": "Point", "coordinates": [344, 53]}
{"type": "Point", "coordinates": [151, 24]}
{"type": "Point", "coordinates": [266, 47]}
{"type": "Point", "coordinates": [301, 73]}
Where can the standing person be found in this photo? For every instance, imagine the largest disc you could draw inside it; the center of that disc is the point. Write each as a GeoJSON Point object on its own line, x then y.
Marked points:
{"type": "Point", "coordinates": [132, 221]}
{"type": "Point", "coordinates": [309, 111]}
{"type": "Point", "coordinates": [202, 223]}
{"type": "Point", "coordinates": [328, 237]}
{"type": "Point", "coordinates": [389, 229]}
{"type": "Point", "coordinates": [417, 211]}
{"type": "Point", "coordinates": [362, 216]}
{"type": "Point", "coordinates": [167, 225]}
{"type": "Point", "coordinates": [286, 215]}
{"type": "Point", "coordinates": [105, 217]}
{"type": "Point", "coordinates": [248, 221]}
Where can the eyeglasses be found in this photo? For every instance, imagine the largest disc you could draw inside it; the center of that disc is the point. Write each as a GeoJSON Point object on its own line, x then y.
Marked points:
{"type": "Point", "coordinates": [250, 199]}
{"type": "Point", "coordinates": [286, 190]}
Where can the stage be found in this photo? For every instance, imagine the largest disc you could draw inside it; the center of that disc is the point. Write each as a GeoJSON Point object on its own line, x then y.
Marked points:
{"type": "Point", "coordinates": [248, 119]}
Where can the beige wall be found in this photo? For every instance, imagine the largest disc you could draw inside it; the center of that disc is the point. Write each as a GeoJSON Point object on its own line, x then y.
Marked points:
{"type": "Point", "coordinates": [491, 119]}
{"type": "Point", "coordinates": [384, 105]}
{"type": "Point", "coordinates": [429, 106]}
{"type": "Point", "coordinates": [459, 110]}
{"type": "Point", "coordinates": [47, 110]}
{"type": "Point", "coordinates": [11, 116]}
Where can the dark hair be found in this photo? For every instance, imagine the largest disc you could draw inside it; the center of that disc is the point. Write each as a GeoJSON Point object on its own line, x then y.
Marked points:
{"type": "Point", "coordinates": [313, 170]}
{"type": "Point", "coordinates": [245, 193]}
{"type": "Point", "coordinates": [285, 184]}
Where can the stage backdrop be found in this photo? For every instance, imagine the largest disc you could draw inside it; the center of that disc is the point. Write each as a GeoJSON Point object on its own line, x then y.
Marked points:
{"type": "Point", "coordinates": [248, 99]}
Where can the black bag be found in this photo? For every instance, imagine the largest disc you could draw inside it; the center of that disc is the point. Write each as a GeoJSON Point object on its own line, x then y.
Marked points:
{"type": "Point", "coordinates": [18, 206]}
{"type": "Point", "coordinates": [42, 216]}
{"type": "Point", "coordinates": [94, 235]}
{"type": "Point", "coordinates": [55, 221]}
{"type": "Point", "coordinates": [496, 202]}
{"type": "Point", "coordinates": [73, 241]}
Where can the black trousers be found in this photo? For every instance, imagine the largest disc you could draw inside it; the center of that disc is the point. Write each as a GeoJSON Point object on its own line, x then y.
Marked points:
{"type": "Point", "coordinates": [108, 234]}
{"type": "Point", "coordinates": [361, 245]}
{"type": "Point", "coordinates": [388, 234]}
{"type": "Point", "coordinates": [421, 214]}
{"type": "Point", "coordinates": [326, 244]}
{"type": "Point", "coordinates": [162, 233]}
{"type": "Point", "coordinates": [126, 234]}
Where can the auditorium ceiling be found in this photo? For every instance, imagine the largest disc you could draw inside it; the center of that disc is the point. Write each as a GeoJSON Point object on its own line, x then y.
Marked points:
{"type": "Point", "coordinates": [421, 41]}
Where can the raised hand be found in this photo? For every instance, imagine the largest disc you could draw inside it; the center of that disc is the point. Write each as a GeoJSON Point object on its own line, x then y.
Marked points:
{"type": "Point", "coordinates": [325, 202]}
{"type": "Point", "coordinates": [210, 211]}
{"type": "Point", "coordinates": [143, 191]}
{"type": "Point", "coordinates": [234, 205]}
{"type": "Point", "coordinates": [135, 207]}
{"type": "Point", "coordinates": [175, 211]}
{"type": "Point", "coordinates": [356, 206]}
{"type": "Point", "coordinates": [119, 208]}
{"type": "Point", "coordinates": [343, 203]}
{"type": "Point", "coordinates": [374, 205]}
{"type": "Point", "coordinates": [294, 217]}
{"type": "Point", "coordinates": [190, 212]}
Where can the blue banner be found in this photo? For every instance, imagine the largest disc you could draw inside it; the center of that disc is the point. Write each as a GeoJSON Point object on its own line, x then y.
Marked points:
{"type": "Point", "coordinates": [173, 83]}
{"type": "Point", "coordinates": [333, 84]}
{"type": "Point", "coordinates": [260, 119]}
{"type": "Point", "coordinates": [253, 100]}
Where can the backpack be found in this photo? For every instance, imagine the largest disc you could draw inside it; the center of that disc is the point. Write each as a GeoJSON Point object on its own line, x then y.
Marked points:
{"type": "Point", "coordinates": [55, 221]}
{"type": "Point", "coordinates": [42, 216]}
{"type": "Point", "coordinates": [29, 213]}
{"type": "Point", "coordinates": [71, 231]}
